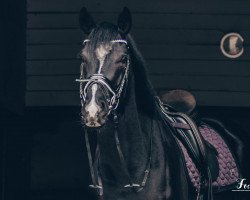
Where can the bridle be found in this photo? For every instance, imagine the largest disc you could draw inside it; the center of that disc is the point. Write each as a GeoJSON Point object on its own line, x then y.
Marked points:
{"type": "Point", "coordinates": [104, 83]}
{"type": "Point", "coordinates": [113, 101]}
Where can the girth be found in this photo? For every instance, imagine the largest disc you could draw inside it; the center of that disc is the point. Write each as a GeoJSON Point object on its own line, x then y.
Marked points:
{"type": "Point", "coordinates": [186, 131]}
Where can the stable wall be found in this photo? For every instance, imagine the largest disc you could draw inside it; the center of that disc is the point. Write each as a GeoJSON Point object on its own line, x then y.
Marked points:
{"type": "Point", "coordinates": [180, 41]}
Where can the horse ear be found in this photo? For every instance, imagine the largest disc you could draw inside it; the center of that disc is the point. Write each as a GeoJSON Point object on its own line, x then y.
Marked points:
{"type": "Point", "coordinates": [86, 21]}
{"type": "Point", "coordinates": [124, 21]}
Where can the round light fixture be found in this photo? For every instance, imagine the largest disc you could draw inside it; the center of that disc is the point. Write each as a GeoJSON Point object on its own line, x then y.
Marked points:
{"type": "Point", "coordinates": [232, 45]}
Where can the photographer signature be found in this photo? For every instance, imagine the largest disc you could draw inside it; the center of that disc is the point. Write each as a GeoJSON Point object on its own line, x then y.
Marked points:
{"type": "Point", "coordinates": [242, 185]}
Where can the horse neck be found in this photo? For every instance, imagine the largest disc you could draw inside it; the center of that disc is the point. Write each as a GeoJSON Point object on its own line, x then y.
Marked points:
{"type": "Point", "coordinates": [134, 128]}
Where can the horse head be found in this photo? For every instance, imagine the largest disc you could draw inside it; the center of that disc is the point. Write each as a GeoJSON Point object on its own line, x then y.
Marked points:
{"type": "Point", "coordinates": [105, 66]}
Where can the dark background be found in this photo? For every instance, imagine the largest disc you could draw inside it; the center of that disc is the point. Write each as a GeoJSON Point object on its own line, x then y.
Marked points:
{"type": "Point", "coordinates": [42, 149]}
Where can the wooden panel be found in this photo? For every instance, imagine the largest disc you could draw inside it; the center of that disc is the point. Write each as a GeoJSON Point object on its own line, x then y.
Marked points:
{"type": "Point", "coordinates": [179, 40]}
{"type": "Point", "coordinates": [12, 66]}
{"type": "Point", "coordinates": [167, 67]}
{"type": "Point", "coordinates": [196, 68]}
{"type": "Point", "coordinates": [217, 83]}
{"type": "Point", "coordinates": [55, 98]}
{"type": "Point", "coordinates": [141, 36]}
{"type": "Point", "coordinates": [142, 20]}
{"type": "Point", "coordinates": [213, 7]}
{"type": "Point", "coordinates": [52, 83]}
{"type": "Point", "coordinates": [237, 99]}
{"type": "Point", "coordinates": [69, 98]}
{"type": "Point", "coordinates": [199, 52]}
{"type": "Point", "coordinates": [51, 67]}
{"type": "Point", "coordinates": [46, 52]}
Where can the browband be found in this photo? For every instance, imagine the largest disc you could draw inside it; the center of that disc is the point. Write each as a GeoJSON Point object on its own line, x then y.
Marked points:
{"type": "Point", "coordinates": [112, 41]}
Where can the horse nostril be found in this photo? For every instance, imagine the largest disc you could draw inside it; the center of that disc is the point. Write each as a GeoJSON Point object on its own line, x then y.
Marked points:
{"type": "Point", "coordinates": [92, 123]}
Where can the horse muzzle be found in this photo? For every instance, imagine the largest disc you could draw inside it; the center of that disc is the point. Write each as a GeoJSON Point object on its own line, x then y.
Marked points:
{"type": "Point", "coordinates": [96, 121]}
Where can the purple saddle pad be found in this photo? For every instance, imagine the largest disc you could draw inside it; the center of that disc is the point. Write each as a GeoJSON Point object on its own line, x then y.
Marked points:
{"type": "Point", "coordinates": [228, 171]}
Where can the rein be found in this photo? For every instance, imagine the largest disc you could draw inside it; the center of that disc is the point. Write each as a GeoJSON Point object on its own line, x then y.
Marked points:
{"type": "Point", "coordinates": [94, 166]}
{"type": "Point", "coordinates": [122, 159]}
{"type": "Point", "coordinates": [113, 102]}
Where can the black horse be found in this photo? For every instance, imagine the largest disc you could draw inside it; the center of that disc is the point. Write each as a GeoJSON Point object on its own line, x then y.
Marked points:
{"type": "Point", "coordinates": [137, 155]}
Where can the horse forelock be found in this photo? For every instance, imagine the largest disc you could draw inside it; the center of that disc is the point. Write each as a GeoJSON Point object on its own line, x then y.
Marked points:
{"type": "Point", "coordinates": [103, 33]}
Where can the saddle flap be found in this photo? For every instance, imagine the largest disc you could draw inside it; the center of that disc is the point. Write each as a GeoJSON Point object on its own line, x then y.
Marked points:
{"type": "Point", "coordinates": [189, 142]}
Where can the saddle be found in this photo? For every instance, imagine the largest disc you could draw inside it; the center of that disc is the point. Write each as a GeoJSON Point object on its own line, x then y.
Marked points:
{"type": "Point", "coordinates": [180, 101]}
{"type": "Point", "coordinates": [199, 143]}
